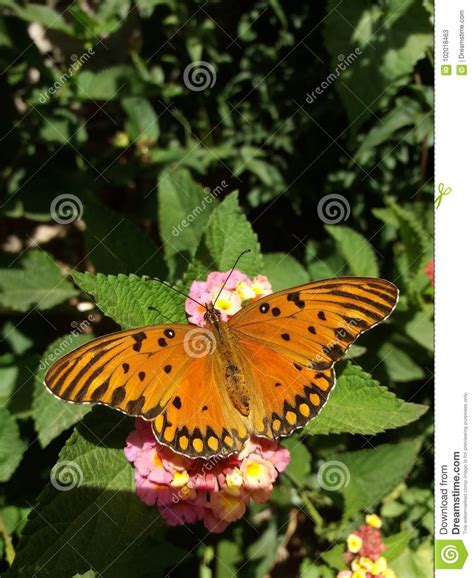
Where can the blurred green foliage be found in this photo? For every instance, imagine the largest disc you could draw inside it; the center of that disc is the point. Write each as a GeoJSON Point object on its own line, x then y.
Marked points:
{"type": "Point", "coordinates": [109, 147]}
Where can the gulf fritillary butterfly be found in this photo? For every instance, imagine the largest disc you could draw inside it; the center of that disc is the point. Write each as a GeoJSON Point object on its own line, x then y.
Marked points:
{"type": "Point", "coordinates": [266, 372]}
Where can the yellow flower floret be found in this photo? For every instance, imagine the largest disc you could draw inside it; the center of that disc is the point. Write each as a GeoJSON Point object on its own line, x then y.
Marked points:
{"type": "Point", "coordinates": [354, 543]}
{"type": "Point", "coordinates": [359, 574]}
{"type": "Point", "coordinates": [389, 573]}
{"type": "Point", "coordinates": [373, 520]}
{"type": "Point", "coordinates": [379, 566]}
{"type": "Point", "coordinates": [180, 479]}
{"type": "Point", "coordinates": [366, 563]}
{"type": "Point", "coordinates": [234, 482]}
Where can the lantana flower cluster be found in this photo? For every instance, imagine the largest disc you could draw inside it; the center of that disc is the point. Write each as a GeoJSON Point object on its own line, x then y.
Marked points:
{"type": "Point", "coordinates": [239, 291]}
{"type": "Point", "coordinates": [216, 491]}
{"type": "Point", "coordinates": [364, 552]}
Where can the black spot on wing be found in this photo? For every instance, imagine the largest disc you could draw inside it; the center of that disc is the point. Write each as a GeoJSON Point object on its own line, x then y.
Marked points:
{"type": "Point", "coordinates": [139, 338]}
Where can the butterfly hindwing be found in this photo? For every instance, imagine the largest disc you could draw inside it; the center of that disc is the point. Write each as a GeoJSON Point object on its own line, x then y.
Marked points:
{"type": "Point", "coordinates": [199, 420]}
{"type": "Point", "coordinates": [292, 339]}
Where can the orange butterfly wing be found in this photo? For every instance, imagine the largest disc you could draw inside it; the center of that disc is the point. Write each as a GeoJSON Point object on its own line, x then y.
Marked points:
{"type": "Point", "coordinates": [292, 339]}
{"type": "Point", "coordinates": [158, 373]}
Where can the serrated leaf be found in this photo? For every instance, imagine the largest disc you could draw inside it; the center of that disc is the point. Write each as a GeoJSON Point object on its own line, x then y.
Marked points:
{"type": "Point", "coordinates": [415, 239]}
{"type": "Point", "coordinates": [356, 250]}
{"type": "Point", "coordinates": [374, 473]}
{"type": "Point", "coordinates": [51, 415]}
{"type": "Point", "coordinates": [98, 519]}
{"type": "Point", "coordinates": [133, 301]}
{"type": "Point", "coordinates": [12, 447]}
{"type": "Point", "coordinates": [284, 271]}
{"type": "Point", "coordinates": [116, 245]}
{"type": "Point", "coordinates": [360, 405]}
{"type": "Point", "coordinates": [184, 208]}
{"type": "Point", "coordinates": [34, 280]}
{"type": "Point", "coordinates": [227, 235]}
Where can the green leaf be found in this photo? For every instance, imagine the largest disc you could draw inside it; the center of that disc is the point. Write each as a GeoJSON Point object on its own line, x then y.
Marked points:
{"type": "Point", "coordinates": [227, 234]}
{"type": "Point", "coordinates": [335, 557]}
{"type": "Point", "coordinates": [44, 15]}
{"type": "Point", "coordinates": [108, 83]}
{"type": "Point", "coordinates": [34, 280]}
{"type": "Point", "coordinates": [356, 250]}
{"type": "Point", "coordinates": [99, 518]}
{"type": "Point", "coordinates": [284, 271]}
{"type": "Point", "coordinates": [396, 543]}
{"type": "Point", "coordinates": [184, 208]}
{"type": "Point", "coordinates": [421, 330]}
{"type": "Point", "coordinates": [360, 405]}
{"type": "Point", "coordinates": [132, 301]}
{"type": "Point", "coordinates": [300, 464]}
{"type": "Point", "coordinates": [380, 46]}
{"type": "Point", "coordinates": [142, 122]}
{"type": "Point", "coordinates": [12, 447]}
{"type": "Point", "coordinates": [373, 473]}
{"type": "Point", "coordinates": [116, 245]}
{"type": "Point", "coordinates": [399, 365]}
{"type": "Point", "coordinates": [52, 416]}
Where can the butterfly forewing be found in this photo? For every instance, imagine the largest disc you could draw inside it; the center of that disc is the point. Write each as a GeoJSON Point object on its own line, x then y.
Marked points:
{"type": "Point", "coordinates": [316, 323]}
{"type": "Point", "coordinates": [135, 371]}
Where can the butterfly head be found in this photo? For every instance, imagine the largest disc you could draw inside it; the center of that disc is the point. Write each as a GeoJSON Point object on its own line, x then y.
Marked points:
{"type": "Point", "coordinates": [212, 315]}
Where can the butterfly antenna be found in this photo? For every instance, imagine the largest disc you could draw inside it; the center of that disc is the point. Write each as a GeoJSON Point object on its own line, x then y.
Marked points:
{"type": "Point", "coordinates": [230, 273]}
{"type": "Point", "coordinates": [176, 290]}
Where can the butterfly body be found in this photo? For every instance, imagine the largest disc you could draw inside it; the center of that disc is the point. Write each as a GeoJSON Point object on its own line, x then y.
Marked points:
{"type": "Point", "coordinates": [265, 372]}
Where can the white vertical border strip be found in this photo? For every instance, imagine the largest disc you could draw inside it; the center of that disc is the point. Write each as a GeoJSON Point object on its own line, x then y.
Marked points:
{"type": "Point", "coordinates": [454, 295]}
